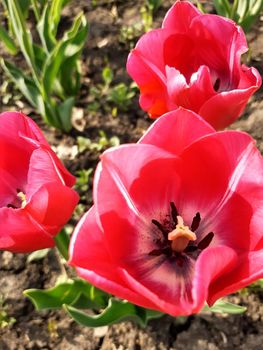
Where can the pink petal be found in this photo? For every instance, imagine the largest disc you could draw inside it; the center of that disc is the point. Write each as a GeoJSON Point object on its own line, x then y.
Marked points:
{"type": "Point", "coordinates": [180, 16]}
{"type": "Point", "coordinates": [19, 232]}
{"type": "Point", "coordinates": [210, 172]}
{"type": "Point", "coordinates": [90, 255]}
{"type": "Point", "coordinates": [180, 127]}
{"type": "Point", "coordinates": [212, 263]}
{"type": "Point", "coordinates": [249, 268]}
{"type": "Point", "coordinates": [224, 108]}
{"type": "Point", "coordinates": [42, 169]}
{"type": "Point", "coordinates": [148, 71]}
{"type": "Point", "coordinates": [52, 205]}
{"type": "Point", "coordinates": [134, 194]}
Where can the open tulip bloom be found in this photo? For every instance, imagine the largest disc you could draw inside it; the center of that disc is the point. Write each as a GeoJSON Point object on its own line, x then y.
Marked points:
{"type": "Point", "coordinates": [177, 217]}
{"type": "Point", "coordinates": [36, 199]}
{"type": "Point", "coordinates": [193, 61]}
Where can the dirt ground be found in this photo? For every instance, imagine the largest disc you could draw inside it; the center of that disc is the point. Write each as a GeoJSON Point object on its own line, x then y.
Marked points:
{"type": "Point", "coordinates": [108, 45]}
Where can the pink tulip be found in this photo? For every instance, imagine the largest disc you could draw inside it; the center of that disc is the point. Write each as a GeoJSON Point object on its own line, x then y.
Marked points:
{"type": "Point", "coordinates": [36, 199]}
{"type": "Point", "coordinates": [177, 217]}
{"type": "Point", "coordinates": [193, 61]}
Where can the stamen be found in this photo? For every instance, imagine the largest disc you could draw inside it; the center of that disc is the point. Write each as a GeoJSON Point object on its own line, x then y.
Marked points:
{"type": "Point", "coordinates": [196, 222]}
{"type": "Point", "coordinates": [181, 236]}
{"type": "Point", "coordinates": [160, 227]}
{"type": "Point", "coordinates": [174, 212]}
{"type": "Point", "coordinates": [204, 243]}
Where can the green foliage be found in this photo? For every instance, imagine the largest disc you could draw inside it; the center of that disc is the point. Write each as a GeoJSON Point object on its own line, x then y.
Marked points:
{"type": "Point", "coordinates": [222, 306]}
{"type": "Point", "coordinates": [117, 96]}
{"type": "Point", "coordinates": [243, 12]}
{"type": "Point", "coordinates": [116, 311]}
{"type": "Point", "coordinates": [54, 78]}
{"type": "Point", "coordinates": [78, 294]}
{"type": "Point", "coordinates": [5, 320]}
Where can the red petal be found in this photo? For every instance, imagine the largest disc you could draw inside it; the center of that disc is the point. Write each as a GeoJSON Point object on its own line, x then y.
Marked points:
{"type": "Point", "coordinates": [181, 128]}
{"type": "Point", "coordinates": [179, 17]}
{"type": "Point", "coordinates": [249, 268]}
{"type": "Point", "coordinates": [20, 233]}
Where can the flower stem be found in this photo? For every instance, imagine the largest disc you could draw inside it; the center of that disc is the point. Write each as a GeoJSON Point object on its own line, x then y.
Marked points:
{"type": "Point", "coordinates": [62, 243]}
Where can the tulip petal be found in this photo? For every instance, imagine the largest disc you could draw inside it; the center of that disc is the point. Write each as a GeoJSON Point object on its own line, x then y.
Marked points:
{"type": "Point", "coordinates": [52, 205]}
{"type": "Point", "coordinates": [19, 232]}
{"type": "Point", "coordinates": [42, 169]}
{"type": "Point", "coordinates": [249, 268]}
{"type": "Point", "coordinates": [180, 16]}
{"type": "Point", "coordinates": [96, 265]}
{"type": "Point", "coordinates": [212, 263]}
{"type": "Point", "coordinates": [224, 108]}
{"type": "Point", "coordinates": [214, 173]}
{"type": "Point", "coordinates": [180, 127]}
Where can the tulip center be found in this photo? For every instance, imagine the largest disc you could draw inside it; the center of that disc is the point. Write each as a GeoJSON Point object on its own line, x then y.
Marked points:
{"type": "Point", "coordinates": [177, 241]}
{"type": "Point", "coordinates": [21, 195]}
{"type": "Point", "coordinates": [19, 200]}
{"type": "Point", "coordinates": [180, 236]}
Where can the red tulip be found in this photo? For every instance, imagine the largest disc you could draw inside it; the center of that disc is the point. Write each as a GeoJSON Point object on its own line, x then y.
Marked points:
{"type": "Point", "coordinates": [177, 218]}
{"type": "Point", "coordinates": [36, 199]}
{"type": "Point", "coordinates": [193, 61]}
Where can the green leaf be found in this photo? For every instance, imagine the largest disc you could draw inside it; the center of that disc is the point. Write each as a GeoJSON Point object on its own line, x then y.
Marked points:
{"type": "Point", "coordinates": [75, 292]}
{"type": "Point", "coordinates": [65, 113]}
{"type": "Point", "coordinates": [23, 36]}
{"type": "Point", "coordinates": [116, 311]}
{"type": "Point", "coordinates": [8, 42]}
{"type": "Point", "coordinates": [222, 306]}
{"type": "Point", "coordinates": [43, 27]}
{"type": "Point", "coordinates": [69, 48]}
{"type": "Point", "coordinates": [107, 75]}
{"type": "Point", "coordinates": [26, 85]}
{"type": "Point", "coordinates": [37, 255]}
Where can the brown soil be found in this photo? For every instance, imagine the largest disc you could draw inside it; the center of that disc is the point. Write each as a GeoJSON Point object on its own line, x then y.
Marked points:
{"type": "Point", "coordinates": [55, 330]}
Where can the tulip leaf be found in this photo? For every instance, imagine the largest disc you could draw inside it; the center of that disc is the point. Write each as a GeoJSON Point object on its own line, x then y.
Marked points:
{"type": "Point", "coordinates": [21, 32]}
{"type": "Point", "coordinates": [65, 113]}
{"type": "Point", "coordinates": [116, 311]}
{"type": "Point", "coordinates": [69, 46]}
{"type": "Point", "coordinates": [8, 42]}
{"type": "Point", "coordinates": [222, 306]}
{"type": "Point", "coordinates": [73, 292]}
{"type": "Point", "coordinates": [26, 85]}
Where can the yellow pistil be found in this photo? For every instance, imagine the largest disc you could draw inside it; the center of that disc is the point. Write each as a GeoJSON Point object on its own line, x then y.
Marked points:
{"type": "Point", "coordinates": [22, 197]}
{"type": "Point", "coordinates": [181, 236]}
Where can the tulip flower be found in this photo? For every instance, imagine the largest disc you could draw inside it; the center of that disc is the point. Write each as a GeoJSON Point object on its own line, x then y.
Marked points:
{"type": "Point", "coordinates": [36, 198]}
{"type": "Point", "coordinates": [177, 217]}
{"type": "Point", "coordinates": [193, 61]}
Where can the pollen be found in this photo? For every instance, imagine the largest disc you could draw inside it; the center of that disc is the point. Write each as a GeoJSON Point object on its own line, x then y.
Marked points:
{"type": "Point", "coordinates": [180, 236]}
{"type": "Point", "coordinates": [21, 195]}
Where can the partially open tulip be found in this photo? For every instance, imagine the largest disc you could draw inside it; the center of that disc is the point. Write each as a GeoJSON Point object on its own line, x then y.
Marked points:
{"type": "Point", "coordinates": [36, 199]}
{"type": "Point", "coordinates": [177, 218]}
{"type": "Point", "coordinates": [193, 61]}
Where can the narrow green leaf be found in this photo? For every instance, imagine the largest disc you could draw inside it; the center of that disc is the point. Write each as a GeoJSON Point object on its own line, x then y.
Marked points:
{"type": "Point", "coordinates": [54, 297]}
{"type": "Point", "coordinates": [77, 293]}
{"type": "Point", "coordinates": [22, 34]}
{"type": "Point", "coordinates": [8, 41]}
{"type": "Point", "coordinates": [65, 113]}
{"type": "Point", "coordinates": [116, 311]}
{"type": "Point", "coordinates": [222, 306]}
{"type": "Point", "coordinates": [70, 46]}
{"type": "Point", "coordinates": [26, 85]}
{"type": "Point", "coordinates": [43, 27]}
